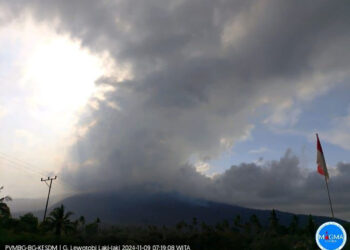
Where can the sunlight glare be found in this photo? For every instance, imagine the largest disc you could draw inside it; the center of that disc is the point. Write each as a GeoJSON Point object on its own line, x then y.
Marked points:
{"type": "Point", "coordinates": [61, 77]}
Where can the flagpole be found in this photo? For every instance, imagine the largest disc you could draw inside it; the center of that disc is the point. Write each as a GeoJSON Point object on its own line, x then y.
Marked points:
{"type": "Point", "coordinates": [329, 197]}
{"type": "Point", "coordinates": [325, 171]}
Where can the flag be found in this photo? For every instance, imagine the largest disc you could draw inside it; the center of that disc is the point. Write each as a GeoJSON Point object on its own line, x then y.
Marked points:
{"type": "Point", "coordinates": [321, 162]}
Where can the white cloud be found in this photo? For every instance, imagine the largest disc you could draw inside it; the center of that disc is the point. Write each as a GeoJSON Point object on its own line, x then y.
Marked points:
{"type": "Point", "coordinates": [259, 150]}
{"type": "Point", "coordinates": [46, 80]}
{"type": "Point", "coordinates": [3, 112]}
{"type": "Point", "coordinates": [284, 114]}
{"type": "Point", "coordinates": [339, 133]}
{"type": "Point", "coordinates": [202, 167]}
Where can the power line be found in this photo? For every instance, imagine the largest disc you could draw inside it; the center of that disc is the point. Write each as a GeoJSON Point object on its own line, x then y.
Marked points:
{"type": "Point", "coordinates": [22, 162]}
{"type": "Point", "coordinates": [20, 166]}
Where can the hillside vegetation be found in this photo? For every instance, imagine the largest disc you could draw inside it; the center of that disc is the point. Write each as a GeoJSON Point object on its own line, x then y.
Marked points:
{"type": "Point", "coordinates": [59, 228]}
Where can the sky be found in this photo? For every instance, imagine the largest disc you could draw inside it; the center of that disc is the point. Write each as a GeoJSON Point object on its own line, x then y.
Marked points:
{"type": "Point", "coordinates": [213, 99]}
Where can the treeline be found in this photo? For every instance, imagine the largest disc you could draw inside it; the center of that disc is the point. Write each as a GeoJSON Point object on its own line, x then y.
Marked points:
{"type": "Point", "coordinates": [59, 228]}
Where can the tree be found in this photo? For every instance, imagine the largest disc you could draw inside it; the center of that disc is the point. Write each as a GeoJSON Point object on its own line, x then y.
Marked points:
{"type": "Point", "coordinates": [310, 227]}
{"type": "Point", "coordinates": [194, 222]}
{"type": "Point", "coordinates": [273, 221]}
{"type": "Point", "coordinates": [181, 225]}
{"type": "Point", "coordinates": [80, 223]}
{"type": "Point", "coordinates": [4, 209]}
{"type": "Point", "coordinates": [293, 226]}
{"type": "Point", "coordinates": [82, 220]}
{"type": "Point", "coordinates": [92, 228]}
{"type": "Point", "coordinates": [28, 223]}
{"type": "Point", "coordinates": [254, 220]}
{"type": "Point", "coordinates": [59, 221]}
{"type": "Point", "coordinates": [237, 221]}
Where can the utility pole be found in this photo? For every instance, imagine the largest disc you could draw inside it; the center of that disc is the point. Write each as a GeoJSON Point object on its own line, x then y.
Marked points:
{"type": "Point", "coordinates": [48, 196]}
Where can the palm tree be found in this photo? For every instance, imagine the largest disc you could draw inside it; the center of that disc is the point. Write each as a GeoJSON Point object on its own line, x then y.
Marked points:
{"type": "Point", "coordinates": [79, 224]}
{"type": "Point", "coordinates": [4, 209]}
{"type": "Point", "coordinates": [59, 221]}
{"type": "Point", "coordinates": [92, 228]}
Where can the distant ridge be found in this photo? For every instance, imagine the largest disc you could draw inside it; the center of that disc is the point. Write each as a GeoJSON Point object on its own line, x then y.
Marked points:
{"type": "Point", "coordinates": [145, 208]}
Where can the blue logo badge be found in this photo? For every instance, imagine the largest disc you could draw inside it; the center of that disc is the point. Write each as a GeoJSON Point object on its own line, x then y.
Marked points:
{"type": "Point", "coordinates": [331, 236]}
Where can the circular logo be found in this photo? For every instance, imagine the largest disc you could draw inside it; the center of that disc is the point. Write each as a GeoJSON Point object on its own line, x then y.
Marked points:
{"type": "Point", "coordinates": [330, 236]}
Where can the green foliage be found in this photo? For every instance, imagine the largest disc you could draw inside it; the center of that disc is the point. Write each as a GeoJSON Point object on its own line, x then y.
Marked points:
{"type": "Point", "coordinates": [255, 224]}
{"type": "Point", "coordinates": [4, 209]}
{"type": "Point", "coordinates": [251, 234]}
{"type": "Point", "coordinates": [92, 228]}
{"type": "Point", "coordinates": [59, 221]}
{"type": "Point", "coordinates": [28, 223]}
{"type": "Point", "coordinates": [273, 221]}
{"type": "Point", "coordinates": [237, 221]}
{"type": "Point", "coordinates": [310, 227]}
{"type": "Point", "coordinates": [293, 226]}
{"type": "Point", "coordinates": [79, 224]}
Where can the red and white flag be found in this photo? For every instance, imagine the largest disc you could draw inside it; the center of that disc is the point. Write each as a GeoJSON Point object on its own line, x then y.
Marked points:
{"type": "Point", "coordinates": [321, 162]}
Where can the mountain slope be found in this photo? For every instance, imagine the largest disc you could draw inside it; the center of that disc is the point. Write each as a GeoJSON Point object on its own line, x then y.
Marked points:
{"type": "Point", "coordinates": [139, 208]}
